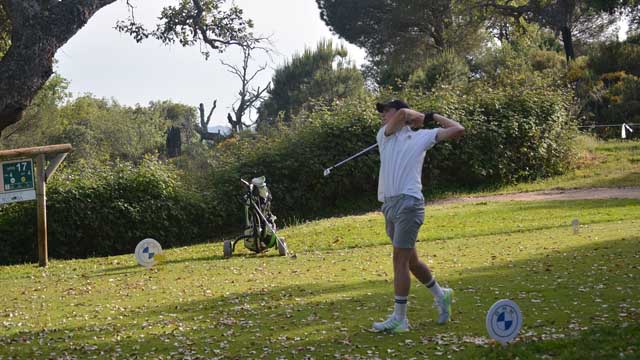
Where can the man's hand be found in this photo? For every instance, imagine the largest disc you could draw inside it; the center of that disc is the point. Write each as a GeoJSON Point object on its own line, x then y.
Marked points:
{"type": "Point", "coordinates": [404, 117]}
{"type": "Point", "coordinates": [416, 122]}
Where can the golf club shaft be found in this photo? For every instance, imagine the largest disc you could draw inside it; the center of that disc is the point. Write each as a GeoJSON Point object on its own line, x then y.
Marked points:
{"type": "Point", "coordinates": [354, 156]}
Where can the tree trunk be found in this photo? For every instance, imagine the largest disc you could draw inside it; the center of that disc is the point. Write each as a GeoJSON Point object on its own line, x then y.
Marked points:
{"type": "Point", "coordinates": [567, 40]}
{"type": "Point", "coordinates": [174, 142]}
{"type": "Point", "coordinates": [234, 125]}
{"type": "Point", "coordinates": [39, 29]}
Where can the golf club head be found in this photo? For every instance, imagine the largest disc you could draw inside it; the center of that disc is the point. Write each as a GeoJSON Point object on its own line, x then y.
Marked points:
{"type": "Point", "coordinates": [327, 172]}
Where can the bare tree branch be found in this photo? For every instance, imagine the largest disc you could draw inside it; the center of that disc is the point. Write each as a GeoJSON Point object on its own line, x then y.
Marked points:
{"type": "Point", "coordinates": [248, 125]}
{"type": "Point", "coordinates": [232, 69]}
{"type": "Point", "coordinates": [248, 98]}
{"type": "Point", "coordinates": [203, 129]}
{"type": "Point", "coordinates": [260, 69]}
{"type": "Point", "coordinates": [213, 107]}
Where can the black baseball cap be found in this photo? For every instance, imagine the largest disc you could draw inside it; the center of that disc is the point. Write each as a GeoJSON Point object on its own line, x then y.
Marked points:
{"type": "Point", "coordinates": [393, 104]}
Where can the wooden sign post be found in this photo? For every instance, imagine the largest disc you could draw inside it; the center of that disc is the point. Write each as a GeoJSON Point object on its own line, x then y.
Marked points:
{"type": "Point", "coordinates": [16, 182]}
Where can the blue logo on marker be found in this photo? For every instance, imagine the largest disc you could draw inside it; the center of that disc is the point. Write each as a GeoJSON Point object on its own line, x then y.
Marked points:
{"type": "Point", "coordinates": [146, 251]}
{"type": "Point", "coordinates": [504, 322]}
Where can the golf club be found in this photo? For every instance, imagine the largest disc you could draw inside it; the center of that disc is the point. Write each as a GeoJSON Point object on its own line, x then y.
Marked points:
{"type": "Point", "coordinates": [328, 170]}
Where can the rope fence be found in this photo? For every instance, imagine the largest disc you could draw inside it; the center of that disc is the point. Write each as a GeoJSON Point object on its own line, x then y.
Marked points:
{"type": "Point", "coordinates": [624, 127]}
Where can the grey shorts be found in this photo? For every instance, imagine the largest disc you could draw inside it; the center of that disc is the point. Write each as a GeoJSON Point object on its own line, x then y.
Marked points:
{"type": "Point", "coordinates": [403, 214]}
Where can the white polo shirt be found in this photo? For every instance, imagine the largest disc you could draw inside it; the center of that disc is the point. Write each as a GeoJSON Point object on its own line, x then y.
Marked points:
{"type": "Point", "coordinates": [401, 158]}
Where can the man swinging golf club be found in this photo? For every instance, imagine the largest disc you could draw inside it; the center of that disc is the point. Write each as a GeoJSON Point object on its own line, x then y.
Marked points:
{"type": "Point", "coordinates": [403, 142]}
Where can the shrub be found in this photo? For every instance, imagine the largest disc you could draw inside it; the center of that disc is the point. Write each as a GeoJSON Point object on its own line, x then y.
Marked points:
{"type": "Point", "coordinates": [106, 210]}
{"type": "Point", "coordinates": [445, 68]}
{"type": "Point", "coordinates": [293, 158]}
{"type": "Point", "coordinates": [517, 124]}
{"type": "Point", "coordinates": [615, 56]}
{"type": "Point", "coordinates": [512, 134]}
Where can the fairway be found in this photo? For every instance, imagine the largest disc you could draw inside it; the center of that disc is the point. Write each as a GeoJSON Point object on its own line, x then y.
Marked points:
{"type": "Point", "coordinates": [346, 180]}
{"type": "Point", "coordinates": [579, 293]}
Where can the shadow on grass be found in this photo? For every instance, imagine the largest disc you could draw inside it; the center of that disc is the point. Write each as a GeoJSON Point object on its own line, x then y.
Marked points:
{"type": "Point", "coordinates": [561, 294]}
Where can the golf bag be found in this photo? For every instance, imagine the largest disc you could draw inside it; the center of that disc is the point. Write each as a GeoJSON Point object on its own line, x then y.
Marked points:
{"type": "Point", "coordinates": [259, 233]}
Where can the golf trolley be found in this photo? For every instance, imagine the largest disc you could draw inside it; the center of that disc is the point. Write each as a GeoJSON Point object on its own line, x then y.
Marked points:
{"type": "Point", "coordinates": [259, 223]}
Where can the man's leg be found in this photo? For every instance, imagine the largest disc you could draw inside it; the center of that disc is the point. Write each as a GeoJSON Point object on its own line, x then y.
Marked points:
{"type": "Point", "coordinates": [401, 281]}
{"type": "Point", "coordinates": [397, 322]}
{"type": "Point", "coordinates": [443, 297]}
{"type": "Point", "coordinates": [422, 272]}
{"type": "Point", "coordinates": [419, 269]}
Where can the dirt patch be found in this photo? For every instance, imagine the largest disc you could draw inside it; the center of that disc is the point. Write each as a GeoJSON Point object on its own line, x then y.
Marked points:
{"type": "Point", "coordinates": [574, 194]}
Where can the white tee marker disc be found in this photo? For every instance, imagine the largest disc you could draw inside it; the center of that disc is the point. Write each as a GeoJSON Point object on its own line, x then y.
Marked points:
{"type": "Point", "coordinates": [504, 321]}
{"type": "Point", "coordinates": [146, 251]}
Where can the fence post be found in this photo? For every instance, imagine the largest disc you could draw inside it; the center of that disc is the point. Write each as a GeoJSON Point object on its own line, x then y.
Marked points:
{"type": "Point", "coordinates": [41, 200]}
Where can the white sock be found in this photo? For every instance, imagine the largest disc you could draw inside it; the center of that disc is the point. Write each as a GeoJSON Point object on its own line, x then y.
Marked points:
{"type": "Point", "coordinates": [435, 289]}
{"type": "Point", "coordinates": [400, 308]}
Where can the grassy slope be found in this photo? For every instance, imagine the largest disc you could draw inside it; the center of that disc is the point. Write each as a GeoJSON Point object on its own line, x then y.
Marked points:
{"type": "Point", "coordinates": [614, 163]}
{"type": "Point", "coordinates": [579, 293]}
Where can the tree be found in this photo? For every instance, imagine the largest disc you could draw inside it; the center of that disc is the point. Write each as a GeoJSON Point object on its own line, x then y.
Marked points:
{"type": "Point", "coordinates": [564, 17]}
{"type": "Point", "coordinates": [203, 129]}
{"type": "Point", "coordinates": [248, 98]}
{"type": "Point", "coordinates": [446, 68]}
{"type": "Point", "coordinates": [5, 31]}
{"type": "Point", "coordinates": [180, 125]}
{"type": "Point", "coordinates": [399, 35]}
{"type": "Point", "coordinates": [41, 121]}
{"type": "Point", "coordinates": [102, 129]}
{"type": "Point", "coordinates": [39, 28]}
{"type": "Point", "coordinates": [324, 74]}
{"type": "Point", "coordinates": [634, 16]}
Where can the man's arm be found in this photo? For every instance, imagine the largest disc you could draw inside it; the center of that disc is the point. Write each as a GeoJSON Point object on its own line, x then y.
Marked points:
{"type": "Point", "coordinates": [404, 117]}
{"type": "Point", "coordinates": [449, 130]}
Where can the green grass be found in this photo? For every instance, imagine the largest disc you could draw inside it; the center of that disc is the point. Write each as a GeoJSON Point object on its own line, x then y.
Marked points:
{"type": "Point", "coordinates": [579, 293]}
{"type": "Point", "coordinates": [613, 163]}
{"type": "Point", "coordinates": [453, 221]}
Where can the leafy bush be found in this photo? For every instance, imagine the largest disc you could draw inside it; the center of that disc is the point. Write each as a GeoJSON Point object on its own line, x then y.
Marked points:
{"type": "Point", "coordinates": [293, 158]}
{"type": "Point", "coordinates": [106, 210]}
{"type": "Point", "coordinates": [615, 56]}
{"type": "Point", "coordinates": [445, 68]}
{"type": "Point", "coordinates": [512, 134]}
{"type": "Point", "coordinates": [607, 86]}
{"type": "Point", "coordinates": [610, 99]}
{"type": "Point", "coordinates": [513, 105]}
{"type": "Point", "coordinates": [543, 59]}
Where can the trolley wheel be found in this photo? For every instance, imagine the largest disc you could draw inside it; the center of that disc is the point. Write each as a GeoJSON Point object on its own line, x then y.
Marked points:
{"type": "Point", "coordinates": [282, 247]}
{"type": "Point", "coordinates": [227, 248]}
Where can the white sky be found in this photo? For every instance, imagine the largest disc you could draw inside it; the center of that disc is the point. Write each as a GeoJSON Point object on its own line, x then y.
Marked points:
{"type": "Point", "coordinates": [101, 61]}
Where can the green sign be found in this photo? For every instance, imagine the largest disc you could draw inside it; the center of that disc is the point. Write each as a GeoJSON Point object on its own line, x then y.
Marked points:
{"type": "Point", "coordinates": [17, 175]}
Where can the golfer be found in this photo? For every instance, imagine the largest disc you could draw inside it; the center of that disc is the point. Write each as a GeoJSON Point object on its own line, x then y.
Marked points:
{"type": "Point", "coordinates": [403, 142]}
